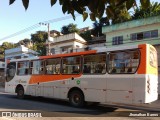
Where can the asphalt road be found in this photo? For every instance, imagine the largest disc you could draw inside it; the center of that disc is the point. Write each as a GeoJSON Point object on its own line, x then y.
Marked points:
{"type": "Point", "coordinates": [56, 108]}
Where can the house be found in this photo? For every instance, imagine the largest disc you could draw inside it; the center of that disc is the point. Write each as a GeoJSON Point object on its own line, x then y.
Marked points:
{"type": "Point", "coordinates": [65, 43]}
{"type": "Point", "coordinates": [19, 52]}
{"type": "Point", "coordinates": [139, 31]}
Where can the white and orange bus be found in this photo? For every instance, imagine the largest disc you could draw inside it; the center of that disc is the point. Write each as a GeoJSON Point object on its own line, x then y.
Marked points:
{"type": "Point", "coordinates": [117, 75]}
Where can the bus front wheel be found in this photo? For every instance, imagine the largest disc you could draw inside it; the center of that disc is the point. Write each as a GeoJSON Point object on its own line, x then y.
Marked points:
{"type": "Point", "coordinates": [20, 93]}
{"type": "Point", "coordinates": [76, 98]}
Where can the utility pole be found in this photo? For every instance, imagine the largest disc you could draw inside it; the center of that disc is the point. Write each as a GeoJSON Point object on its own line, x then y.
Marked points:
{"type": "Point", "coordinates": [48, 39]}
{"type": "Point", "coordinates": [49, 47]}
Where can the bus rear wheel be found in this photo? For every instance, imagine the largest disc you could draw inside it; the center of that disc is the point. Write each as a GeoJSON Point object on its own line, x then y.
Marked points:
{"type": "Point", "coordinates": [76, 98]}
{"type": "Point", "coordinates": [20, 93]}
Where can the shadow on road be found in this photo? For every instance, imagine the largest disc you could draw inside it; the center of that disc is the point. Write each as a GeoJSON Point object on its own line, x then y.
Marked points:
{"type": "Point", "coordinates": [54, 107]}
{"type": "Point", "coordinates": [60, 108]}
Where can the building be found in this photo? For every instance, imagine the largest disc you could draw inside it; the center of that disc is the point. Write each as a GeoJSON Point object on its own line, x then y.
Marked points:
{"type": "Point", "coordinates": [19, 52]}
{"type": "Point", "coordinates": [139, 31]}
{"type": "Point", "coordinates": [97, 42]}
{"type": "Point", "coordinates": [66, 43]}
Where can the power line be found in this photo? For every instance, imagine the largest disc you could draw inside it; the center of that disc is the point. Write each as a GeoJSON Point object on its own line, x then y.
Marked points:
{"type": "Point", "coordinates": [36, 26]}
{"type": "Point", "coordinates": [21, 32]}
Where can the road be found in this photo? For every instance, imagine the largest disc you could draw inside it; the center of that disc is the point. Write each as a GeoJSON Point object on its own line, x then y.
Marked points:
{"type": "Point", "coordinates": [56, 108]}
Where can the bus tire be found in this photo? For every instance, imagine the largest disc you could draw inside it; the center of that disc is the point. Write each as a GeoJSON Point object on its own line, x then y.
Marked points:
{"type": "Point", "coordinates": [20, 93]}
{"type": "Point", "coordinates": [76, 98]}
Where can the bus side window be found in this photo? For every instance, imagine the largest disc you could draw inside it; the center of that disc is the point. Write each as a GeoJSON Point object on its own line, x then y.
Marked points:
{"type": "Point", "coordinates": [23, 68]}
{"type": "Point", "coordinates": [71, 65]}
{"type": "Point", "coordinates": [53, 66]}
{"type": "Point", "coordinates": [86, 69]}
{"type": "Point", "coordinates": [94, 64]}
{"type": "Point", "coordinates": [37, 67]}
{"type": "Point", "coordinates": [123, 62]}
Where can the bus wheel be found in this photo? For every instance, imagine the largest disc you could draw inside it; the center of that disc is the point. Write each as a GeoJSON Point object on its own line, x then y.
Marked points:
{"type": "Point", "coordinates": [76, 98]}
{"type": "Point", "coordinates": [20, 93]}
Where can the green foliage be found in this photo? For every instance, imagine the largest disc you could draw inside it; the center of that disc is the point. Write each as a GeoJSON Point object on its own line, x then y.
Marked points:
{"type": "Point", "coordinates": [71, 28]}
{"type": "Point", "coordinates": [118, 14]}
{"type": "Point", "coordinates": [5, 46]}
{"type": "Point", "coordinates": [153, 10]}
{"type": "Point", "coordinates": [23, 42]}
{"type": "Point", "coordinates": [39, 36]}
{"type": "Point", "coordinates": [86, 35]}
{"type": "Point", "coordinates": [53, 2]}
{"type": "Point", "coordinates": [39, 39]}
{"type": "Point", "coordinates": [11, 2]}
{"type": "Point", "coordinates": [96, 8]}
{"type": "Point", "coordinates": [25, 3]}
{"type": "Point", "coordinates": [97, 29]}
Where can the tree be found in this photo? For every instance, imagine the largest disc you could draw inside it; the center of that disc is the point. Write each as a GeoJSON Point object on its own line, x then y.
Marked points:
{"type": "Point", "coordinates": [86, 35]}
{"type": "Point", "coordinates": [153, 10]}
{"type": "Point", "coordinates": [39, 39]}
{"type": "Point", "coordinates": [97, 8]}
{"type": "Point", "coordinates": [97, 29]}
{"type": "Point", "coordinates": [5, 46]}
{"type": "Point", "coordinates": [24, 41]}
{"type": "Point", "coordinates": [71, 28]}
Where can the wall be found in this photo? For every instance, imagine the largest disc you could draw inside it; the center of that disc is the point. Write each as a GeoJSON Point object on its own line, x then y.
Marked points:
{"type": "Point", "coordinates": [135, 26]}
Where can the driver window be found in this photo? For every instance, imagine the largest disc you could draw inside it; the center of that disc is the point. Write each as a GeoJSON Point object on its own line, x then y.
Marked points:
{"type": "Point", "coordinates": [11, 70]}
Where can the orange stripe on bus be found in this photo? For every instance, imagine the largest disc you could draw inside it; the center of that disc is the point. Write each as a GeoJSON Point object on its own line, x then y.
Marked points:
{"type": "Point", "coordinates": [69, 54]}
{"type": "Point", "coordinates": [143, 60]}
{"type": "Point", "coordinates": [48, 78]}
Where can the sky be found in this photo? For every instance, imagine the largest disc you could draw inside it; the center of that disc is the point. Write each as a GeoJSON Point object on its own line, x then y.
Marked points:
{"type": "Point", "coordinates": [14, 18]}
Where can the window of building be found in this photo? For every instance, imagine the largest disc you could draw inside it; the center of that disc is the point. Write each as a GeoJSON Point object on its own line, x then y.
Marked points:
{"type": "Point", "coordinates": [37, 67]}
{"type": "Point", "coordinates": [117, 40]}
{"type": "Point", "coordinates": [71, 65]}
{"type": "Point", "coordinates": [144, 35]}
{"type": "Point", "coordinates": [147, 34]}
{"type": "Point", "coordinates": [23, 68]}
{"type": "Point", "coordinates": [94, 64]}
{"type": "Point", "coordinates": [134, 36]}
{"type": "Point", "coordinates": [53, 51]}
{"type": "Point", "coordinates": [123, 62]}
{"type": "Point", "coordinates": [140, 36]}
{"type": "Point", "coordinates": [154, 33]}
{"type": "Point", "coordinates": [53, 66]}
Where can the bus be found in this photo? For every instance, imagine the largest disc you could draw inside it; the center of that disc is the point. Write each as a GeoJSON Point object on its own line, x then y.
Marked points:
{"type": "Point", "coordinates": [118, 75]}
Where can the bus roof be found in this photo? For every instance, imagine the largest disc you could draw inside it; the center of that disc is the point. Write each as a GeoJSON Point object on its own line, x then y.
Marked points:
{"type": "Point", "coordinates": [92, 51]}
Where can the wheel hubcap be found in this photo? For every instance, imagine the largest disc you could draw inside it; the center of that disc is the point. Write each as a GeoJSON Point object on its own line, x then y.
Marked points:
{"type": "Point", "coordinates": [76, 99]}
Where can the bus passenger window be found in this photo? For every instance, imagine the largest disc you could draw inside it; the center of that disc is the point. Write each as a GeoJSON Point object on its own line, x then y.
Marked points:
{"type": "Point", "coordinates": [75, 69]}
{"type": "Point", "coordinates": [123, 62]}
{"type": "Point", "coordinates": [86, 69]}
{"type": "Point", "coordinates": [37, 67]}
{"type": "Point", "coordinates": [94, 64]}
{"type": "Point", "coordinates": [23, 68]}
{"type": "Point", "coordinates": [53, 66]}
{"type": "Point", "coordinates": [71, 65]}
